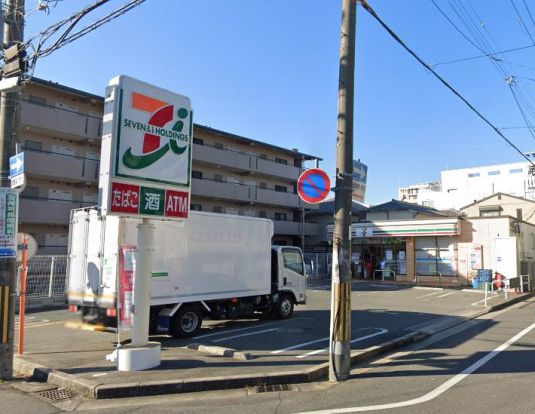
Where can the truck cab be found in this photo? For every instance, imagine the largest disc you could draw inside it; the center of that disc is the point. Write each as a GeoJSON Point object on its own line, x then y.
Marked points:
{"type": "Point", "coordinates": [288, 274]}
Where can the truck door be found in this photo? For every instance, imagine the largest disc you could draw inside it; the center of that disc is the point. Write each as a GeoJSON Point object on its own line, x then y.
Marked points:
{"type": "Point", "coordinates": [293, 273]}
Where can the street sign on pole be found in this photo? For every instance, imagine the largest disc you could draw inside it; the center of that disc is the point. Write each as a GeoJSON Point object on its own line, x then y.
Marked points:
{"type": "Point", "coordinates": [16, 165]}
{"type": "Point", "coordinates": [16, 170]}
{"type": "Point", "coordinates": [313, 185]}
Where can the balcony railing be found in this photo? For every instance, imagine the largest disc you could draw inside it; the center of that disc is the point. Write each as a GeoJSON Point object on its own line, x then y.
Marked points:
{"type": "Point", "coordinates": [60, 122]}
{"type": "Point", "coordinates": [242, 162]}
{"type": "Point", "coordinates": [242, 193]}
{"type": "Point", "coordinates": [295, 228]}
{"type": "Point", "coordinates": [60, 166]}
{"type": "Point", "coordinates": [47, 211]}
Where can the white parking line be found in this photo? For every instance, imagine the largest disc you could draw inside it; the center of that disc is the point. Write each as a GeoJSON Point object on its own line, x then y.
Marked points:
{"type": "Point", "coordinates": [278, 351]}
{"type": "Point", "coordinates": [446, 294]}
{"type": "Point", "coordinates": [483, 300]}
{"type": "Point", "coordinates": [249, 327]}
{"type": "Point", "coordinates": [245, 334]}
{"type": "Point", "coordinates": [362, 338]}
{"type": "Point", "coordinates": [441, 389]}
{"type": "Point", "coordinates": [429, 294]}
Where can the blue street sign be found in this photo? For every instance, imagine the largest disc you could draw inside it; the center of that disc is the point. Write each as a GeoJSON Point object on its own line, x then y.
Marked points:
{"type": "Point", "coordinates": [16, 165]}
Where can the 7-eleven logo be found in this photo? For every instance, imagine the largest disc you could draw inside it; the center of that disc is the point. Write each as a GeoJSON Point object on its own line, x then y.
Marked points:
{"type": "Point", "coordinates": [163, 131]}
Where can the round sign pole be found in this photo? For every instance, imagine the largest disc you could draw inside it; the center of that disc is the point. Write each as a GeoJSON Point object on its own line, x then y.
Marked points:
{"type": "Point", "coordinates": [313, 186]}
{"type": "Point", "coordinates": [22, 300]}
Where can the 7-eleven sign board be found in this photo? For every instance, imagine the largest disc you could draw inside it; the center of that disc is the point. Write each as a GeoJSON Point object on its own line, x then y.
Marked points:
{"type": "Point", "coordinates": [145, 168]}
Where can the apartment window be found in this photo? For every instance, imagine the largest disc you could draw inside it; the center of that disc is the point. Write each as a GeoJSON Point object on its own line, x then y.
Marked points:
{"type": "Point", "coordinates": [196, 174]}
{"type": "Point", "coordinates": [489, 213]}
{"type": "Point", "coordinates": [262, 213]}
{"type": "Point", "coordinates": [515, 170]}
{"type": "Point", "coordinates": [33, 145]}
{"type": "Point", "coordinates": [281, 161]}
{"type": "Point", "coordinates": [218, 177]}
{"type": "Point", "coordinates": [496, 172]}
{"type": "Point", "coordinates": [39, 100]}
{"type": "Point", "coordinates": [219, 145]}
{"type": "Point", "coordinates": [217, 209]}
{"type": "Point", "coordinates": [198, 141]}
{"type": "Point", "coordinates": [263, 156]}
{"type": "Point", "coordinates": [428, 203]}
{"type": "Point", "coordinates": [519, 213]}
{"type": "Point", "coordinates": [473, 175]}
{"type": "Point", "coordinates": [280, 216]}
{"type": "Point", "coordinates": [263, 185]}
{"type": "Point", "coordinates": [281, 188]}
{"type": "Point", "coordinates": [195, 207]}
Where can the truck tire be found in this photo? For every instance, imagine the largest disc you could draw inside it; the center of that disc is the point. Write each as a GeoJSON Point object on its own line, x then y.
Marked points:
{"type": "Point", "coordinates": [186, 322]}
{"type": "Point", "coordinates": [284, 307]}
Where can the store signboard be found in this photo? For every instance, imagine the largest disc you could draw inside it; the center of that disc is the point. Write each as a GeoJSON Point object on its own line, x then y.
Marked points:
{"type": "Point", "coordinates": [146, 151]}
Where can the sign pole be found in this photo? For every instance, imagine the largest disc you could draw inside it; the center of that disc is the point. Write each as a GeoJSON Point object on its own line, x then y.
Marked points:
{"type": "Point", "coordinates": [144, 261]}
{"type": "Point", "coordinates": [340, 336]}
{"type": "Point", "coordinates": [13, 31]}
{"type": "Point", "coordinates": [22, 300]}
{"type": "Point", "coordinates": [141, 354]}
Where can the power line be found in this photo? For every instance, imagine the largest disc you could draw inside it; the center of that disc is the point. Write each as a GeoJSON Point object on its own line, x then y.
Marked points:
{"type": "Point", "coordinates": [529, 12]}
{"type": "Point", "coordinates": [372, 12]}
{"type": "Point", "coordinates": [522, 21]}
{"type": "Point", "coordinates": [447, 62]}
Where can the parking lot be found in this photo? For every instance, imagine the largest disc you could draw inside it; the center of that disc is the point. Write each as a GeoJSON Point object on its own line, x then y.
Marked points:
{"type": "Point", "coordinates": [380, 313]}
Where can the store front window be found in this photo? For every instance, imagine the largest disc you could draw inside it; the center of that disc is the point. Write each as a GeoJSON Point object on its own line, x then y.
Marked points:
{"type": "Point", "coordinates": [435, 256]}
{"type": "Point", "coordinates": [376, 254]}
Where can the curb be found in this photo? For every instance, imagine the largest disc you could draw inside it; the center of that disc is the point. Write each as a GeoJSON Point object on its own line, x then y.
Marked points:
{"type": "Point", "coordinates": [97, 390]}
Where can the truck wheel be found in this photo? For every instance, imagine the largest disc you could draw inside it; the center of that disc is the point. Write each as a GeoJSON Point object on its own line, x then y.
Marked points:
{"type": "Point", "coordinates": [285, 307]}
{"type": "Point", "coordinates": [187, 322]}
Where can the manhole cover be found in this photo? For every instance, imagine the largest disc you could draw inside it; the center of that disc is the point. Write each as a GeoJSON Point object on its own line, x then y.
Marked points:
{"type": "Point", "coordinates": [56, 395]}
{"type": "Point", "coordinates": [273, 388]}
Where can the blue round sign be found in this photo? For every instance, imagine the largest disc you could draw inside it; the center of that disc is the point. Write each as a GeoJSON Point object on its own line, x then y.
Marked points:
{"type": "Point", "coordinates": [313, 186]}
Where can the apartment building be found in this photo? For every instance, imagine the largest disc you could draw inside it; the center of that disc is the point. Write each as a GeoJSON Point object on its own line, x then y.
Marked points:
{"type": "Point", "coordinates": [60, 135]}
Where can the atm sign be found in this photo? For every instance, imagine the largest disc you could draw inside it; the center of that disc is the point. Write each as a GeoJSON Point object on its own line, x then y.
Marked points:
{"type": "Point", "coordinates": [148, 201]}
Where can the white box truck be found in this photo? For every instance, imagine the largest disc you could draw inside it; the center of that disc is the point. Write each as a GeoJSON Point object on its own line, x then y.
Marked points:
{"type": "Point", "coordinates": [213, 265]}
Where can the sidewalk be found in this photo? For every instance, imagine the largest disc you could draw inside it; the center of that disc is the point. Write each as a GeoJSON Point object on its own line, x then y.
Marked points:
{"type": "Point", "coordinates": [76, 360]}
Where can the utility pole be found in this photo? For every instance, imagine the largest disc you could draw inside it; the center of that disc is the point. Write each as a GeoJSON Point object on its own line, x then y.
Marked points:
{"type": "Point", "coordinates": [9, 125]}
{"type": "Point", "coordinates": [340, 338]}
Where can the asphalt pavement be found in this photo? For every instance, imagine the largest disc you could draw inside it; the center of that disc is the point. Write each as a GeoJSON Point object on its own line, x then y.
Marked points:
{"type": "Point", "coordinates": [291, 351]}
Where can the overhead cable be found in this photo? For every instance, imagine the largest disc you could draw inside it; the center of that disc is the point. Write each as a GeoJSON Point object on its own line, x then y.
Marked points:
{"type": "Point", "coordinates": [372, 12]}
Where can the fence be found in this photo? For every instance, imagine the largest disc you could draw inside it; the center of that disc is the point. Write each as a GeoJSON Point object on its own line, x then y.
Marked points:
{"type": "Point", "coordinates": [46, 280]}
{"type": "Point", "coordinates": [318, 265]}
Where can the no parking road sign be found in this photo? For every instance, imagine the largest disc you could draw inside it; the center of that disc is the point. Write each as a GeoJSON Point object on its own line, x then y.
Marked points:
{"type": "Point", "coordinates": [313, 185]}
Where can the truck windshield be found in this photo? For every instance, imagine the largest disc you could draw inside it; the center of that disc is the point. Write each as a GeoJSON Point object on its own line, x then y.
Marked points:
{"type": "Point", "coordinates": [293, 261]}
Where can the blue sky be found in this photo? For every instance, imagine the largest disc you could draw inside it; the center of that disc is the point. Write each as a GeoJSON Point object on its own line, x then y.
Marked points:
{"type": "Point", "coordinates": [268, 70]}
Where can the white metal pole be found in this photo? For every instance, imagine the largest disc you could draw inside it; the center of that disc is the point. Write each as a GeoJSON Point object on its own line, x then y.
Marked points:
{"type": "Point", "coordinates": [144, 260]}
{"type": "Point", "coordinates": [51, 278]}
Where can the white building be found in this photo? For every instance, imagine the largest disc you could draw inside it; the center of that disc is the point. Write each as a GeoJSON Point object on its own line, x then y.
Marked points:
{"type": "Point", "coordinates": [461, 187]}
{"type": "Point", "coordinates": [411, 193]}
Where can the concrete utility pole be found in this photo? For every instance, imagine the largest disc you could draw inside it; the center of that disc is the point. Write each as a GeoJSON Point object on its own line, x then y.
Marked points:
{"type": "Point", "coordinates": [340, 345]}
{"type": "Point", "coordinates": [9, 126]}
